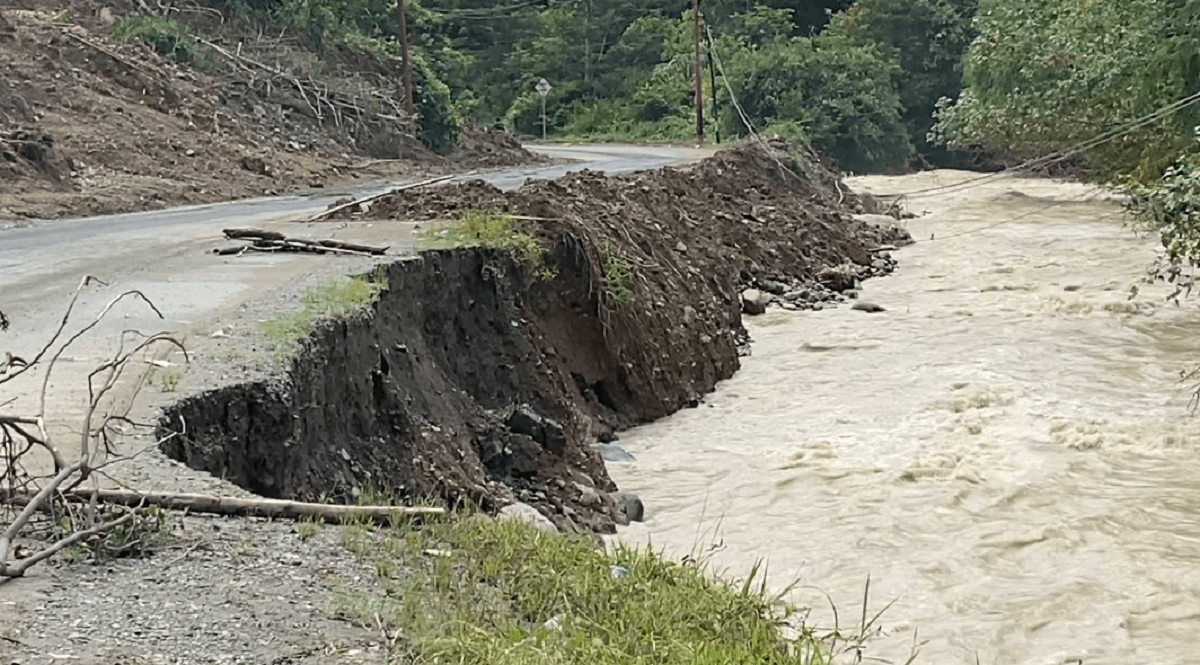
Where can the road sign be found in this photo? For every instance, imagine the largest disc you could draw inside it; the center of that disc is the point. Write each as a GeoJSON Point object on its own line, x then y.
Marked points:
{"type": "Point", "coordinates": [543, 89]}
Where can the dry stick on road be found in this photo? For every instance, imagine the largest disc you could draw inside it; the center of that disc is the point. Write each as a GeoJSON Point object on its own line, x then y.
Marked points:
{"type": "Point", "coordinates": [367, 199]}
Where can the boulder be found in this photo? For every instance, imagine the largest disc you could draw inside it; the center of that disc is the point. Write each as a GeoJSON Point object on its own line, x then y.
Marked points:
{"type": "Point", "coordinates": [523, 512]}
{"type": "Point", "coordinates": [588, 496]}
{"type": "Point", "coordinates": [868, 307]}
{"type": "Point", "coordinates": [841, 278]}
{"type": "Point", "coordinates": [611, 452]}
{"type": "Point", "coordinates": [630, 506]}
{"type": "Point", "coordinates": [754, 301]}
{"type": "Point", "coordinates": [548, 433]}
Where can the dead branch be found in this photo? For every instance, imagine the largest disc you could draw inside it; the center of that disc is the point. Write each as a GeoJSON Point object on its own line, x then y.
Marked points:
{"type": "Point", "coordinates": [18, 569]}
{"type": "Point", "coordinates": [367, 199]}
{"type": "Point", "coordinates": [31, 507]}
{"type": "Point", "coordinates": [272, 241]}
{"type": "Point", "coordinates": [93, 433]}
{"type": "Point", "coordinates": [226, 505]}
{"type": "Point", "coordinates": [253, 234]}
{"type": "Point", "coordinates": [88, 279]}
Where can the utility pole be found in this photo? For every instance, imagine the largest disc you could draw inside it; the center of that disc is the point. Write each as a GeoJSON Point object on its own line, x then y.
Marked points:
{"type": "Point", "coordinates": [405, 53]}
{"type": "Point", "coordinates": [712, 74]}
{"type": "Point", "coordinates": [699, 76]}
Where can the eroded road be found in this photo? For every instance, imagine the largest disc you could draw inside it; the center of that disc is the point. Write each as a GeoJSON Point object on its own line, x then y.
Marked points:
{"type": "Point", "coordinates": [213, 303]}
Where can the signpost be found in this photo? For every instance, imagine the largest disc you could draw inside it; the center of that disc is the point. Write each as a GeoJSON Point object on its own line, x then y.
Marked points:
{"type": "Point", "coordinates": [543, 89]}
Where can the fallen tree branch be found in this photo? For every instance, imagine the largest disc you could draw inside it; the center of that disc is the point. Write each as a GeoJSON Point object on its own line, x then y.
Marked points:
{"type": "Point", "coordinates": [270, 241]}
{"type": "Point", "coordinates": [31, 506]}
{"type": "Point", "coordinates": [18, 569]}
{"type": "Point", "coordinates": [367, 199]}
{"type": "Point", "coordinates": [253, 234]}
{"type": "Point", "coordinates": [225, 505]}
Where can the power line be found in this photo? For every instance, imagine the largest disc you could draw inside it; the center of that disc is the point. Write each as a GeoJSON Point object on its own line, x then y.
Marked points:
{"type": "Point", "coordinates": [1077, 149]}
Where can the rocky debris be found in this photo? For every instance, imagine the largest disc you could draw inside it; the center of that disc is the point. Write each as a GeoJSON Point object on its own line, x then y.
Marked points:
{"type": "Point", "coordinates": [29, 152]}
{"type": "Point", "coordinates": [754, 301]}
{"type": "Point", "coordinates": [742, 221]}
{"type": "Point", "coordinates": [230, 590]}
{"type": "Point", "coordinates": [630, 506]}
{"type": "Point", "coordinates": [544, 431]}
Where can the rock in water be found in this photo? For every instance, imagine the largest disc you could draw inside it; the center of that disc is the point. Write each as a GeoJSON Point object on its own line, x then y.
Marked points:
{"type": "Point", "coordinates": [869, 307]}
{"type": "Point", "coordinates": [611, 452]}
{"type": "Point", "coordinates": [630, 505]}
{"type": "Point", "coordinates": [754, 301]}
{"type": "Point", "coordinates": [523, 512]}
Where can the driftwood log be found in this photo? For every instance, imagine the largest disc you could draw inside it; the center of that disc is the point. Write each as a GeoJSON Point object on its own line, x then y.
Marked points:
{"type": "Point", "coordinates": [273, 241]}
{"type": "Point", "coordinates": [227, 505]}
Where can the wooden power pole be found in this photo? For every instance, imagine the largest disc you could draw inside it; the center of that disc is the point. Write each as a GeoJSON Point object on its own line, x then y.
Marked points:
{"type": "Point", "coordinates": [699, 76]}
{"type": "Point", "coordinates": [405, 53]}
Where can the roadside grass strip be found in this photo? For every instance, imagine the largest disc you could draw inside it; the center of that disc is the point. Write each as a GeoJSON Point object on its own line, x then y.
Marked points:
{"type": "Point", "coordinates": [472, 591]}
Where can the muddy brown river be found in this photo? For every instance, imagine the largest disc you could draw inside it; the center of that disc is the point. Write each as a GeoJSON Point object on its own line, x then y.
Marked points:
{"type": "Point", "coordinates": [1007, 451]}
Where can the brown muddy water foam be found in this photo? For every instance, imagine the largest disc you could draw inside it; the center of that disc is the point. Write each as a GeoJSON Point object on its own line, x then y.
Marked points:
{"type": "Point", "coordinates": [1006, 451]}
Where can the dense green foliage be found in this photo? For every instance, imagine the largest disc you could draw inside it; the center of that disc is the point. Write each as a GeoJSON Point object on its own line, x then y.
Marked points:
{"type": "Point", "coordinates": [926, 40]}
{"type": "Point", "coordinates": [858, 80]}
{"type": "Point", "coordinates": [1046, 76]}
{"type": "Point", "coordinates": [1097, 80]}
{"type": "Point", "coordinates": [624, 69]}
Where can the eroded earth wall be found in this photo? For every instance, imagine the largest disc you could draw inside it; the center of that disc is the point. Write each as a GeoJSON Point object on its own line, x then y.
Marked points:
{"type": "Point", "coordinates": [470, 378]}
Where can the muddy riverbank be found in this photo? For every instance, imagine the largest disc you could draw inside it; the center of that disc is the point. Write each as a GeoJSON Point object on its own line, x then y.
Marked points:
{"type": "Point", "coordinates": [472, 378]}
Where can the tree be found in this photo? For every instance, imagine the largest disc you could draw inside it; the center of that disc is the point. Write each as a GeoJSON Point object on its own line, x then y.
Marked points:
{"type": "Point", "coordinates": [1046, 76]}
{"type": "Point", "coordinates": [926, 39]}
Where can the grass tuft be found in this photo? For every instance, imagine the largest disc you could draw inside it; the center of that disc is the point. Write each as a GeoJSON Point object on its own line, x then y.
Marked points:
{"type": "Point", "coordinates": [330, 300]}
{"type": "Point", "coordinates": [618, 277]}
{"type": "Point", "coordinates": [492, 228]}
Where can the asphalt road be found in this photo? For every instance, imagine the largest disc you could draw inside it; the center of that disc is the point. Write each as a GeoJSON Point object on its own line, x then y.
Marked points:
{"type": "Point", "coordinates": [49, 257]}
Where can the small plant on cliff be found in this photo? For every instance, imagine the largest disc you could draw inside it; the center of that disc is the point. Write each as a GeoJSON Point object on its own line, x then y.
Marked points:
{"type": "Point", "coordinates": [618, 277]}
{"type": "Point", "coordinates": [333, 299]}
{"type": "Point", "coordinates": [492, 228]}
{"type": "Point", "coordinates": [170, 38]}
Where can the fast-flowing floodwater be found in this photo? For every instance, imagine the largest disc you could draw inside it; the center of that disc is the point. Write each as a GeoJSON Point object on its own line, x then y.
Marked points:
{"type": "Point", "coordinates": [1006, 451]}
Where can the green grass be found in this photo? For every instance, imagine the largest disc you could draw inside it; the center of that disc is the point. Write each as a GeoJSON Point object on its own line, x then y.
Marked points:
{"type": "Point", "coordinates": [491, 228]}
{"type": "Point", "coordinates": [170, 38]}
{"type": "Point", "coordinates": [332, 299]}
{"type": "Point", "coordinates": [472, 591]}
{"type": "Point", "coordinates": [618, 277]}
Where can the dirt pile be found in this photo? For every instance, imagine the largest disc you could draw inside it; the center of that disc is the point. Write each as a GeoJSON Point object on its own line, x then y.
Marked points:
{"type": "Point", "coordinates": [126, 129]}
{"type": "Point", "coordinates": [469, 377]}
{"type": "Point", "coordinates": [691, 239]}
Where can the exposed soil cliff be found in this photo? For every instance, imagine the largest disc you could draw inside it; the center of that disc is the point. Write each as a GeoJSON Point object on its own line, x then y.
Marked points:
{"type": "Point", "coordinates": [471, 378]}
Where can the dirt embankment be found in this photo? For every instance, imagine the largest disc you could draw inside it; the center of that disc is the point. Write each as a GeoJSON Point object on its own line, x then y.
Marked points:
{"type": "Point", "coordinates": [471, 378]}
{"type": "Point", "coordinates": [89, 125]}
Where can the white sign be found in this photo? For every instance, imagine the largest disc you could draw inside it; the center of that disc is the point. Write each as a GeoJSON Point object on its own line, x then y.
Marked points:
{"type": "Point", "coordinates": [543, 87]}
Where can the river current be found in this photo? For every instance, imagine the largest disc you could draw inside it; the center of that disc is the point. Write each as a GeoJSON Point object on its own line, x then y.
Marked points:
{"type": "Point", "coordinates": [1006, 452]}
